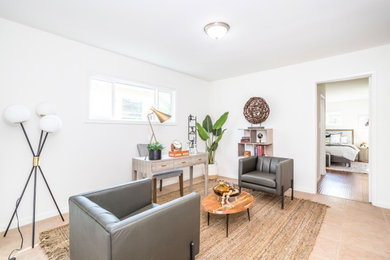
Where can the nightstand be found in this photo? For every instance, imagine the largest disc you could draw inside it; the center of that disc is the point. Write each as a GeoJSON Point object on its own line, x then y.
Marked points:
{"type": "Point", "coordinates": [363, 155]}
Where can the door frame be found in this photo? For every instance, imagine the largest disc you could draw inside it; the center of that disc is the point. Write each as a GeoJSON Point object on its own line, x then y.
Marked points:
{"type": "Point", "coordinates": [372, 137]}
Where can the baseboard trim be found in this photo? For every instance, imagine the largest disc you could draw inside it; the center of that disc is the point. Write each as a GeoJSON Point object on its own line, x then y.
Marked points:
{"type": "Point", "coordinates": [381, 205]}
{"type": "Point", "coordinates": [28, 220]}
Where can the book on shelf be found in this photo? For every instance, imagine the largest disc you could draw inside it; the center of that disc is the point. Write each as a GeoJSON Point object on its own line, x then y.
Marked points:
{"type": "Point", "coordinates": [245, 139]}
{"type": "Point", "coordinates": [259, 151]}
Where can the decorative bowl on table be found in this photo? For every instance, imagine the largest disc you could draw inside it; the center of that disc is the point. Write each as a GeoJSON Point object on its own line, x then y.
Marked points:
{"type": "Point", "coordinates": [225, 191]}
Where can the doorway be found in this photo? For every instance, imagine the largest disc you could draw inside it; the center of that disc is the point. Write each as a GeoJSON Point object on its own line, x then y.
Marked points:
{"type": "Point", "coordinates": [343, 112]}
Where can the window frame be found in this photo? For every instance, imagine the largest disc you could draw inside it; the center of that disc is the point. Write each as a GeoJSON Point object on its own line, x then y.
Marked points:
{"type": "Point", "coordinates": [114, 81]}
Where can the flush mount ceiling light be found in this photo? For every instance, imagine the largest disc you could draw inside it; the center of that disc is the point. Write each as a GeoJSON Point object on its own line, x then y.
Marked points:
{"type": "Point", "coordinates": [216, 30]}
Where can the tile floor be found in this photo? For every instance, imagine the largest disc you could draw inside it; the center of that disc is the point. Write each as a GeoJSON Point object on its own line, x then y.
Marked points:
{"type": "Point", "coordinates": [351, 230]}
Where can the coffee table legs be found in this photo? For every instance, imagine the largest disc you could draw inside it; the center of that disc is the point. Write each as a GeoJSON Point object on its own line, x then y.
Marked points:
{"type": "Point", "coordinates": [227, 221]}
{"type": "Point", "coordinates": [227, 225]}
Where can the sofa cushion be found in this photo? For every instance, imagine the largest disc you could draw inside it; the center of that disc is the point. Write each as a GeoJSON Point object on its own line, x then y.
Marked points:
{"type": "Point", "coordinates": [260, 178]}
{"type": "Point", "coordinates": [147, 207]}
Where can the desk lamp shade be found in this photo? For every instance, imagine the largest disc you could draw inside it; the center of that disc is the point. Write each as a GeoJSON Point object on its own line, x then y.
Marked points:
{"type": "Point", "coordinates": [17, 114]}
{"type": "Point", "coordinates": [50, 123]}
{"type": "Point", "coordinates": [45, 109]}
{"type": "Point", "coordinates": [162, 117]}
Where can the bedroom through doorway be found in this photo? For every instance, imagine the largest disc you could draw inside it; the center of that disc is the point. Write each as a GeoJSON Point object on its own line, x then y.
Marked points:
{"type": "Point", "coordinates": [343, 109]}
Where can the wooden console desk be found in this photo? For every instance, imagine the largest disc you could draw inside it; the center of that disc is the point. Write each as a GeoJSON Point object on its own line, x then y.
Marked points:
{"type": "Point", "coordinates": [145, 168]}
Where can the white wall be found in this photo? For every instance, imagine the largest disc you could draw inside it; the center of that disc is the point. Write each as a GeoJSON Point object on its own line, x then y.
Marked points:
{"type": "Point", "coordinates": [350, 100]}
{"type": "Point", "coordinates": [36, 66]}
{"type": "Point", "coordinates": [291, 93]}
{"type": "Point", "coordinates": [351, 113]}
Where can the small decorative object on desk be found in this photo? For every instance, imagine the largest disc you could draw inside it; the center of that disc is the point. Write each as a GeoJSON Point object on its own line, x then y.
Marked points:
{"type": "Point", "coordinates": [192, 140]}
{"type": "Point", "coordinates": [225, 191]}
{"type": "Point", "coordinates": [176, 146]}
{"type": "Point", "coordinates": [176, 150]}
{"type": "Point", "coordinates": [155, 151]}
{"type": "Point", "coordinates": [363, 145]}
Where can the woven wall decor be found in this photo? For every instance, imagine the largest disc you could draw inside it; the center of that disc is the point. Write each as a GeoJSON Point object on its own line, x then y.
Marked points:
{"type": "Point", "coordinates": [256, 110]}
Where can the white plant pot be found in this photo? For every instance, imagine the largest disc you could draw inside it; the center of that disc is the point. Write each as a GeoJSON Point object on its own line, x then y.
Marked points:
{"type": "Point", "coordinates": [213, 171]}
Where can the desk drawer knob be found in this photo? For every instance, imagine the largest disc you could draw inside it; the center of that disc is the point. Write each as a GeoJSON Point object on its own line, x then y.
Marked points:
{"type": "Point", "coordinates": [163, 165]}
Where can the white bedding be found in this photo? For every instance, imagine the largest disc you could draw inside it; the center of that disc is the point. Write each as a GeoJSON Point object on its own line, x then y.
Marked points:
{"type": "Point", "coordinates": [348, 151]}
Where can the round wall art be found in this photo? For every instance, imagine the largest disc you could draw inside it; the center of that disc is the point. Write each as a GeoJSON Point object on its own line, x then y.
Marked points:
{"type": "Point", "coordinates": [256, 110]}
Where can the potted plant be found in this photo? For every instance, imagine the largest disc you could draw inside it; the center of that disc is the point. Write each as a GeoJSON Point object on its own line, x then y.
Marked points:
{"type": "Point", "coordinates": [155, 151]}
{"type": "Point", "coordinates": [212, 134]}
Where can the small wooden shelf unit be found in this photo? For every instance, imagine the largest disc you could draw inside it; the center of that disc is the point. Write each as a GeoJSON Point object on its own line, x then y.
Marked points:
{"type": "Point", "coordinates": [266, 141]}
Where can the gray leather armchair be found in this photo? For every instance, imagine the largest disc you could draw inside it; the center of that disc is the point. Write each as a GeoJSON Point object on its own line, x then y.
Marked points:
{"type": "Point", "coordinates": [122, 223]}
{"type": "Point", "coordinates": [269, 174]}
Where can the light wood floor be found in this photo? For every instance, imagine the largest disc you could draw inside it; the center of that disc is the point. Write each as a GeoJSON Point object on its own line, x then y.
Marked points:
{"type": "Point", "coordinates": [351, 230]}
{"type": "Point", "coordinates": [347, 185]}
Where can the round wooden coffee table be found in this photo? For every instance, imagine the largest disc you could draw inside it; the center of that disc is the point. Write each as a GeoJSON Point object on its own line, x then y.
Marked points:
{"type": "Point", "coordinates": [212, 205]}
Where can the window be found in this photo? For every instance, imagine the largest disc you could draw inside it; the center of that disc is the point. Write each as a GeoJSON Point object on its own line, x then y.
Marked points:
{"type": "Point", "coordinates": [122, 101]}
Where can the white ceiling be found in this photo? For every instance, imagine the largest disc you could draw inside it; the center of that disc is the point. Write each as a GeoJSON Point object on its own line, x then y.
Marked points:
{"type": "Point", "coordinates": [169, 33]}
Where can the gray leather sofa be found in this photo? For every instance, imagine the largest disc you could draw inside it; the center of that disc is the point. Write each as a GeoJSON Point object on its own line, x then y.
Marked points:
{"type": "Point", "coordinates": [269, 174]}
{"type": "Point", "coordinates": [122, 223]}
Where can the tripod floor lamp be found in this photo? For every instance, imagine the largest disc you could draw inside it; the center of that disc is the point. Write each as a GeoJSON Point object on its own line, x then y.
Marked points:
{"type": "Point", "coordinates": [49, 123]}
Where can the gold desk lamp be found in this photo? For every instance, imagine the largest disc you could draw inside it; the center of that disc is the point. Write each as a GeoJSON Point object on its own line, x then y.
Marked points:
{"type": "Point", "coordinates": [162, 117]}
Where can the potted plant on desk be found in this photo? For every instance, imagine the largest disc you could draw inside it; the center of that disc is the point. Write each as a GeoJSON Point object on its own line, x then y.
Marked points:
{"type": "Point", "coordinates": [155, 151]}
{"type": "Point", "coordinates": [212, 134]}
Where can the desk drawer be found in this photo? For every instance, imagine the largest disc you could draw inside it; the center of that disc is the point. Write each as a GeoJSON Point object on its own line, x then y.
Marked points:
{"type": "Point", "coordinates": [183, 162]}
{"type": "Point", "coordinates": [200, 159]}
{"type": "Point", "coordinates": [161, 166]}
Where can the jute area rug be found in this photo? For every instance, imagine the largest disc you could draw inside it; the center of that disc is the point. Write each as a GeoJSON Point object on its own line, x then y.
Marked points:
{"type": "Point", "coordinates": [271, 233]}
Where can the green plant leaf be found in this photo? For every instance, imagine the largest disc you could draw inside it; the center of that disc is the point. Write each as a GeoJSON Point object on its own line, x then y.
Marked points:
{"type": "Point", "coordinates": [220, 136]}
{"type": "Point", "coordinates": [221, 121]}
{"type": "Point", "coordinates": [214, 146]}
{"type": "Point", "coordinates": [208, 124]}
{"type": "Point", "coordinates": [217, 132]}
{"type": "Point", "coordinates": [202, 132]}
{"type": "Point", "coordinates": [155, 146]}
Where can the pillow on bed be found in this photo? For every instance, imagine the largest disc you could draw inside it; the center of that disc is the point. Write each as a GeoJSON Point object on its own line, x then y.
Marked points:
{"type": "Point", "coordinates": [344, 140]}
{"type": "Point", "coordinates": [335, 138]}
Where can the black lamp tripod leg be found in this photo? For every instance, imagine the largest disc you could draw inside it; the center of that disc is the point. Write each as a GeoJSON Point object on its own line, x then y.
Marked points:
{"type": "Point", "coordinates": [28, 140]}
{"type": "Point", "coordinates": [34, 204]}
{"type": "Point", "coordinates": [41, 146]}
{"type": "Point", "coordinates": [17, 205]}
{"type": "Point", "coordinates": [51, 194]}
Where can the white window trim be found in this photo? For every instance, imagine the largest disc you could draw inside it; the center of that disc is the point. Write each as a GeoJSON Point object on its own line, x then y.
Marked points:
{"type": "Point", "coordinates": [114, 81]}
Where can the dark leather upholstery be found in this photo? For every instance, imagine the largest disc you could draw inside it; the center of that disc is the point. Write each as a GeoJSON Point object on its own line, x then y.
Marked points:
{"type": "Point", "coordinates": [260, 178]}
{"type": "Point", "coordinates": [134, 227]}
{"type": "Point", "coordinates": [269, 174]}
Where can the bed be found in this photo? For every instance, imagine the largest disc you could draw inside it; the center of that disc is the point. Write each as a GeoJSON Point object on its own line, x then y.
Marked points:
{"type": "Point", "coordinates": [340, 146]}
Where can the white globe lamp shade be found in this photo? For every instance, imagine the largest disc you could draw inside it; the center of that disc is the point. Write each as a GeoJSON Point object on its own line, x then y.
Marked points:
{"type": "Point", "coordinates": [45, 109]}
{"type": "Point", "coordinates": [50, 123]}
{"type": "Point", "coordinates": [17, 114]}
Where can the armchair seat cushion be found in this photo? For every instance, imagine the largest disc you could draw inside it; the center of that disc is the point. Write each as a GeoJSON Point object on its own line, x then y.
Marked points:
{"type": "Point", "coordinates": [147, 207]}
{"type": "Point", "coordinates": [260, 178]}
